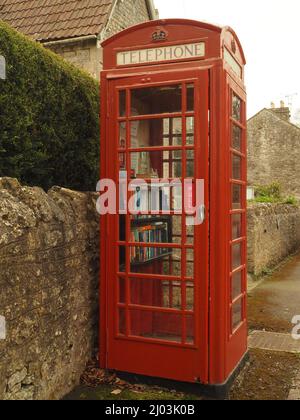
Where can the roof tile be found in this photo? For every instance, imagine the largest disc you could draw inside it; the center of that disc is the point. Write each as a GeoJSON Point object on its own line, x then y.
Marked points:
{"type": "Point", "coordinates": [45, 20]}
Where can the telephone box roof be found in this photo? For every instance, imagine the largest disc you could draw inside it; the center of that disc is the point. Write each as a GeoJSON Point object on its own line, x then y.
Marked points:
{"type": "Point", "coordinates": [179, 23]}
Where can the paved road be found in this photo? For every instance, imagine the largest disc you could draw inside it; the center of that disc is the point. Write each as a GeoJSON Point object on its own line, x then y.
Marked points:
{"type": "Point", "coordinates": [271, 307]}
{"type": "Point", "coordinates": [274, 303]}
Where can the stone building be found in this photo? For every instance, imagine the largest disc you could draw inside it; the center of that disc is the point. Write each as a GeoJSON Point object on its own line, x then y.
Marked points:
{"type": "Point", "coordinates": [274, 150]}
{"type": "Point", "coordinates": [76, 28]}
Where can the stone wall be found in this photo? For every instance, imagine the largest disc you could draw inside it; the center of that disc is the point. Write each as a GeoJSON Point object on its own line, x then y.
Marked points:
{"type": "Point", "coordinates": [88, 54]}
{"type": "Point", "coordinates": [274, 151]}
{"type": "Point", "coordinates": [48, 283]}
{"type": "Point", "coordinates": [125, 14]}
{"type": "Point", "coordinates": [85, 54]}
{"type": "Point", "coordinates": [273, 234]}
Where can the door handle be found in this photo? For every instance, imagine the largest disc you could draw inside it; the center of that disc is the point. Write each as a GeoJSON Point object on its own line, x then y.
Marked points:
{"type": "Point", "coordinates": [201, 214]}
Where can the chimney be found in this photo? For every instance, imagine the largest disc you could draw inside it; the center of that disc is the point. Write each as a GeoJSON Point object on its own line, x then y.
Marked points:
{"type": "Point", "coordinates": [283, 112]}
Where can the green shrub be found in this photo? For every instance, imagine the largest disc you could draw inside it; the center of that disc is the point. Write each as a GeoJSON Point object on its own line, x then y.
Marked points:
{"type": "Point", "coordinates": [49, 125]}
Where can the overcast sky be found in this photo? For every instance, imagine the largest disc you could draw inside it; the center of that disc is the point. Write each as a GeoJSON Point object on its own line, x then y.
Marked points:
{"type": "Point", "coordinates": [269, 31]}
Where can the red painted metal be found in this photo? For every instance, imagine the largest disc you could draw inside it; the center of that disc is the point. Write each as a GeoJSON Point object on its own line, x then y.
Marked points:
{"type": "Point", "coordinates": [219, 329]}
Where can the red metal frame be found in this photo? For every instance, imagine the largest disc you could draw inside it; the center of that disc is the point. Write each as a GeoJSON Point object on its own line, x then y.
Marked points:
{"type": "Point", "coordinates": [217, 348]}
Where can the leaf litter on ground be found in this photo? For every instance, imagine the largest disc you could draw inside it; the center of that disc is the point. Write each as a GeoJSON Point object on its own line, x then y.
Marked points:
{"type": "Point", "coordinates": [94, 377]}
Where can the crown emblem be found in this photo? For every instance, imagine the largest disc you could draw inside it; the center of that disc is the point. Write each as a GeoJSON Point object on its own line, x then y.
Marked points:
{"type": "Point", "coordinates": [159, 35]}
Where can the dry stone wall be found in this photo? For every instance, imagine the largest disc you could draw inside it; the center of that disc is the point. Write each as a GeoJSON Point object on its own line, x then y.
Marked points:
{"type": "Point", "coordinates": [273, 234]}
{"type": "Point", "coordinates": [48, 289]}
{"type": "Point", "coordinates": [49, 269]}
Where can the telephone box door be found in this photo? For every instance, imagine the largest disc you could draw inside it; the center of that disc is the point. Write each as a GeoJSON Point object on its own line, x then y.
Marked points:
{"type": "Point", "coordinates": [157, 243]}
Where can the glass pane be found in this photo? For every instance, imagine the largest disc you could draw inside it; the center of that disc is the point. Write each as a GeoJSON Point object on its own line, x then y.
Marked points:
{"type": "Point", "coordinates": [166, 126]}
{"type": "Point", "coordinates": [156, 196]}
{"type": "Point", "coordinates": [236, 197]}
{"type": "Point", "coordinates": [151, 260]}
{"type": "Point", "coordinates": [190, 130]}
{"type": "Point", "coordinates": [174, 141]}
{"type": "Point", "coordinates": [156, 325]}
{"type": "Point", "coordinates": [122, 135]}
{"type": "Point", "coordinates": [236, 256]}
{"type": "Point", "coordinates": [176, 236]}
{"type": "Point", "coordinates": [176, 198]}
{"type": "Point", "coordinates": [190, 235]}
{"type": "Point", "coordinates": [176, 169]}
{"type": "Point", "coordinates": [190, 296]}
{"type": "Point", "coordinates": [190, 98]}
{"type": "Point", "coordinates": [190, 164]}
{"type": "Point", "coordinates": [237, 138]}
{"type": "Point", "coordinates": [151, 198]}
{"type": "Point", "coordinates": [237, 316]}
{"type": "Point", "coordinates": [156, 133]}
{"type": "Point", "coordinates": [122, 259]}
{"type": "Point", "coordinates": [190, 263]}
{"type": "Point", "coordinates": [157, 164]}
{"type": "Point", "coordinates": [150, 230]}
{"type": "Point", "coordinates": [122, 161]}
{"type": "Point", "coordinates": [171, 224]}
{"type": "Point", "coordinates": [176, 155]}
{"type": "Point", "coordinates": [190, 329]}
{"type": "Point", "coordinates": [122, 230]}
{"type": "Point", "coordinates": [122, 290]}
{"type": "Point", "coordinates": [236, 285]}
{"type": "Point", "coordinates": [236, 167]}
{"type": "Point", "coordinates": [190, 125]}
{"type": "Point", "coordinates": [156, 100]}
{"type": "Point", "coordinates": [236, 108]}
{"type": "Point", "coordinates": [237, 226]}
{"type": "Point", "coordinates": [172, 295]}
{"type": "Point", "coordinates": [122, 321]}
{"type": "Point", "coordinates": [122, 196]}
{"type": "Point", "coordinates": [122, 103]}
{"type": "Point", "coordinates": [155, 293]}
{"type": "Point", "coordinates": [176, 126]}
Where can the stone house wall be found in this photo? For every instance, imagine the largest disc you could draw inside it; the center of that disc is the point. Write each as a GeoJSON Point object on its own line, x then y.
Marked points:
{"type": "Point", "coordinates": [274, 152]}
{"type": "Point", "coordinates": [49, 257]}
{"type": "Point", "coordinates": [87, 54]}
{"type": "Point", "coordinates": [125, 14]}
{"type": "Point", "coordinates": [273, 234]}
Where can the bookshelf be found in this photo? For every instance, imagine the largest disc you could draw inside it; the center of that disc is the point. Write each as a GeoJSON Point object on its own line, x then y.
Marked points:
{"type": "Point", "coordinates": [152, 230]}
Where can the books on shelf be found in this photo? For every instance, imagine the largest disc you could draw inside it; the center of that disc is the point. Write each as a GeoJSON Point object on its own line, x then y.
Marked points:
{"type": "Point", "coordinates": [155, 233]}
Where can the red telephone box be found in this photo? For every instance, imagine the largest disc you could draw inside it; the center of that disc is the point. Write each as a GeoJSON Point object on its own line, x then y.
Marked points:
{"type": "Point", "coordinates": [173, 294]}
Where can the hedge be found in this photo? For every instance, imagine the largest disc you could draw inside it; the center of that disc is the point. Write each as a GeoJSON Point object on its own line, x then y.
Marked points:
{"type": "Point", "coordinates": [49, 124]}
